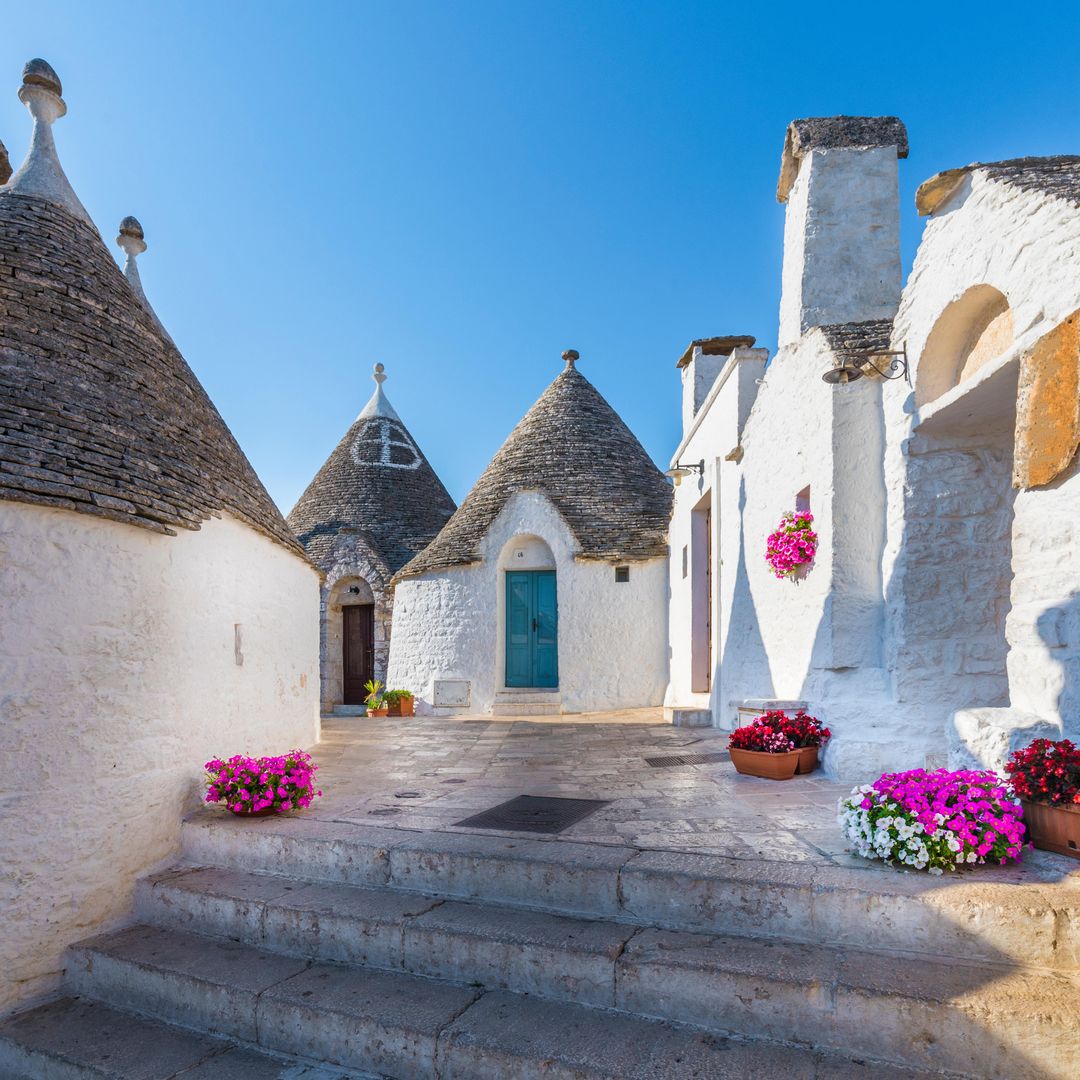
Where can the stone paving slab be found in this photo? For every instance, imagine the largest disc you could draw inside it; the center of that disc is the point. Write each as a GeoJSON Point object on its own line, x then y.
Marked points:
{"type": "Point", "coordinates": [366, 763]}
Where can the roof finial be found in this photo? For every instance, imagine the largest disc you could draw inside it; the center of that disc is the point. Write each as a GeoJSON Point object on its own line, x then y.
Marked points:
{"type": "Point", "coordinates": [41, 173]}
{"type": "Point", "coordinates": [378, 405]}
{"type": "Point", "coordinates": [132, 241]}
{"type": "Point", "coordinates": [570, 356]}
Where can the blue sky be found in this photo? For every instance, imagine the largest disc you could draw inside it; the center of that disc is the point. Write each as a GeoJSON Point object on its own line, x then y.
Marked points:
{"type": "Point", "coordinates": [461, 191]}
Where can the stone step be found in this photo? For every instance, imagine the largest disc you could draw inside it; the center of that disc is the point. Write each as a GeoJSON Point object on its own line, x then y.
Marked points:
{"type": "Point", "coordinates": [527, 702]}
{"type": "Point", "coordinates": [687, 716]}
{"type": "Point", "coordinates": [411, 1028]}
{"type": "Point", "coordinates": [78, 1039]}
{"type": "Point", "coordinates": [526, 708]}
{"type": "Point", "coordinates": [997, 1019]}
{"type": "Point", "coordinates": [987, 916]}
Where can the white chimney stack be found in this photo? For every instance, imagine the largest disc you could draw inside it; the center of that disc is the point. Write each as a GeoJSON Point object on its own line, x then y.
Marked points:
{"type": "Point", "coordinates": [699, 366]}
{"type": "Point", "coordinates": [839, 179]}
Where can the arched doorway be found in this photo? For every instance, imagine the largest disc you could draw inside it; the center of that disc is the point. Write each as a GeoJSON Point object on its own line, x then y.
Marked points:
{"type": "Point", "coordinates": [350, 645]}
{"type": "Point", "coordinates": [530, 615]}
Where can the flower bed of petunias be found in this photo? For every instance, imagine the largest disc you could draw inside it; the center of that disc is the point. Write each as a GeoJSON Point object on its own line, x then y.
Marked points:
{"type": "Point", "coordinates": [792, 544]}
{"type": "Point", "coordinates": [1047, 772]}
{"type": "Point", "coordinates": [934, 821]}
{"type": "Point", "coordinates": [248, 785]}
{"type": "Point", "coordinates": [762, 735]}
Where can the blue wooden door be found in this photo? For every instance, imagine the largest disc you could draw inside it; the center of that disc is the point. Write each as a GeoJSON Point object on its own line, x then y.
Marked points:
{"type": "Point", "coordinates": [532, 628]}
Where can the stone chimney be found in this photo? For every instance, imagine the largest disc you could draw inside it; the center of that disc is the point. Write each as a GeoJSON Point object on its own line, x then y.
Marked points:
{"type": "Point", "coordinates": [838, 177]}
{"type": "Point", "coordinates": [700, 365]}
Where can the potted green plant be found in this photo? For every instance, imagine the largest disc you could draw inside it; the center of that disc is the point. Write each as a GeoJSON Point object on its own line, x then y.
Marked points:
{"type": "Point", "coordinates": [1045, 776]}
{"type": "Point", "coordinates": [375, 700]}
{"type": "Point", "coordinates": [400, 702]}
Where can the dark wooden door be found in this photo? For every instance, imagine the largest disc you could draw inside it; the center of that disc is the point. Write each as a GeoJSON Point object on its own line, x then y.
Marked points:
{"type": "Point", "coordinates": [358, 647]}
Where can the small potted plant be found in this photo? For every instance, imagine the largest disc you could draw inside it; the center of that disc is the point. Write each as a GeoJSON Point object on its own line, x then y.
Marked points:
{"type": "Point", "coordinates": [375, 700]}
{"type": "Point", "coordinates": [807, 734]}
{"type": "Point", "coordinates": [258, 787]}
{"type": "Point", "coordinates": [399, 702]}
{"type": "Point", "coordinates": [759, 749]}
{"type": "Point", "coordinates": [1045, 776]}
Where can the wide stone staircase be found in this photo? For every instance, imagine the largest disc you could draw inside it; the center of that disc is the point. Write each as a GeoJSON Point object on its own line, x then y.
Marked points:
{"type": "Point", "coordinates": [301, 948]}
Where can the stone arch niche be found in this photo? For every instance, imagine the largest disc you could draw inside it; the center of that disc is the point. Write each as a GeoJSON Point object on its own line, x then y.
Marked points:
{"type": "Point", "coordinates": [973, 330]}
{"type": "Point", "coordinates": [956, 568]}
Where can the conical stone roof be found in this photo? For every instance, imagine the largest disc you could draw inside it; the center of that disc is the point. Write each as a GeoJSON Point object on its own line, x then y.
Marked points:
{"type": "Point", "coordinates": [99, 412]}
{"type": "Point", "coordinates": [573, 447]}
{"type": "Point", "coordinates": [376, 485]}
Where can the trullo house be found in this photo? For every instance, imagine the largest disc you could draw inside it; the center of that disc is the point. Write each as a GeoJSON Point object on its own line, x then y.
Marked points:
{"type": "Point", "coordinates": [374, 504]}
{"type": "Point", "coordinates": [155, 609]}
{"type": "Point", "coordinates": [546, 591]}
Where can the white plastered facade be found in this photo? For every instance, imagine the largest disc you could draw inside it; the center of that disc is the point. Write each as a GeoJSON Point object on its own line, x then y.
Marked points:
{"type": "Point", "coordinates": [127, 660]}
{"type": "Point", "coordinates": [612, 637]}
{"type": "Point", "coordinates": [940, 622]}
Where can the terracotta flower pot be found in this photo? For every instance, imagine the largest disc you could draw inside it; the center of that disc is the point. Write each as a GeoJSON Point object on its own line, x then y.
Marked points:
{"type": "Point", "coordinates": [769, 766]}
{"type": "Point", "coordinates": [808, 759]}
{"type": "Point", "coordinates": [402, 707]}
{"type": "Point", "coordinates": [1053, 828]}
{"type": "Point", "coordinates": [266, 811]}
{"type": "Point", "coordinates": [383, 710]}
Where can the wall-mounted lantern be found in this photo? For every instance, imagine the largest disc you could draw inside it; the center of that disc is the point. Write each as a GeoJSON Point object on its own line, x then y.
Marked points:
{"type": "Point", "coordinates": [679, 470]}
{"type": "Point", "coordinates": [850, 366]}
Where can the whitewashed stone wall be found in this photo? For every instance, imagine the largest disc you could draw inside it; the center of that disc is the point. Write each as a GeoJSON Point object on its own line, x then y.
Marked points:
{"type": "Point", "coordinates": [994, 572]}
{"type": "Point", "coordinates": [119, 677]}
{"type": "Point", "coordinates": [612, 636]}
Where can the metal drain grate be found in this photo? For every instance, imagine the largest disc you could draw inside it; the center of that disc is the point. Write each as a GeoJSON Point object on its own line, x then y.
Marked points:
{"type": "Point", "coordinates": [532, 813]}
{"type": "Point", "coordinates": [671, 760]}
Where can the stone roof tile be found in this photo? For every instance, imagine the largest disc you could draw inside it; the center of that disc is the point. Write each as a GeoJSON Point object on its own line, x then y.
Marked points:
{"type": "Point", "coordinates": [836, 133]}
{"type": "Point", "coordinates": [572, 447]}
{"type": "Point", "coordinates": [376, 485]}
{"type": "Point", "coordinates": [99, 412]}
{"type": "Point", "coordinates": [858, 337]}
{"type": "Point", "coordinates": [1057, 176]}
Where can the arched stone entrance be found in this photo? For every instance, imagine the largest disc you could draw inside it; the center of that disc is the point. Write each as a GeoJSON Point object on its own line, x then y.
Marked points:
{"type": "Point", "coordinates": [355, 640]}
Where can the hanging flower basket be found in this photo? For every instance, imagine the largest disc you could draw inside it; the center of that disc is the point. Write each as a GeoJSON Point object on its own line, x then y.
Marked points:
{"type": "Point", "coordinates": [792, 545]}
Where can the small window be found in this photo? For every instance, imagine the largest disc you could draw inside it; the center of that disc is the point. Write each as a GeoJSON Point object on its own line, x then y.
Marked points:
{"type": "Point", "coordinates": [685, 561]}
{"type": "Point", "coordinates": [802, 501]}
{"type": "Point", "coordinates": [622, 573]}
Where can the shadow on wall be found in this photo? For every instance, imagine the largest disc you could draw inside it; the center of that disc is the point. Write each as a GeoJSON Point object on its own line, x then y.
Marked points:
{"type": "Point", "coordinates": [950, 593]}
{"type": "Point", "coordinates": [744, 669]}
{"type": "Point", "coordinates": [1059, 628]}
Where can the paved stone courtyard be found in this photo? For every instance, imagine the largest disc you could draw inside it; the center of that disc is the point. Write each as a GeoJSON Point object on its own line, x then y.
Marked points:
{"type": "Point", "coordinates": [428, 773]}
